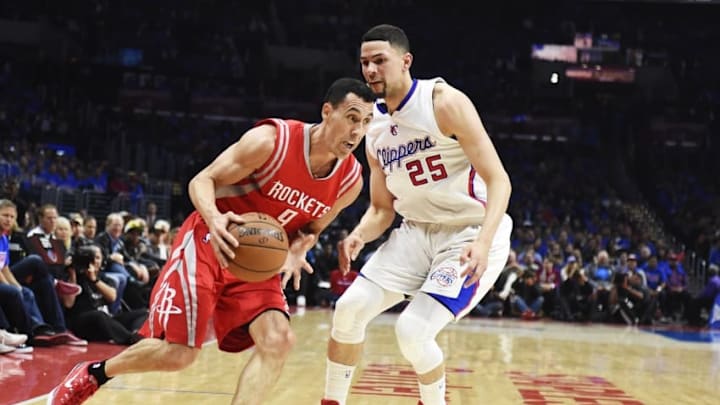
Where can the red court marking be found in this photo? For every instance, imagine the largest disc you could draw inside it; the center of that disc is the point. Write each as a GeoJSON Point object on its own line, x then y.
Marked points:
{"type": "Point", "coordinates": [393, 380]}
{"type": "Point", "coordinates": [541, 389]}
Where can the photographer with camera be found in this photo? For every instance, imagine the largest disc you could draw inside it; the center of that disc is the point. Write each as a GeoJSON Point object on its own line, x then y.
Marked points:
{"type": "Point", "coordinates": [631, 301]}
{"type": "Point", "coordinates": [577, 298]}
{"type": "Point", "coordinates": [87, 314]}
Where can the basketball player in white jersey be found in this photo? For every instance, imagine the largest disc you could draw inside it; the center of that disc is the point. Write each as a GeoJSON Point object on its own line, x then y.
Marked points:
{"type": "Point", "coordinates": [432, 162]}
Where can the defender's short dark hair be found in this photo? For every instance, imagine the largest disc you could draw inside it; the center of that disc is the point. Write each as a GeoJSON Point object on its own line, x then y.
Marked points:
{"type": "Point", "coordinates": [342, 87]}
{"type": "Point", "coordinates": [386, 32]}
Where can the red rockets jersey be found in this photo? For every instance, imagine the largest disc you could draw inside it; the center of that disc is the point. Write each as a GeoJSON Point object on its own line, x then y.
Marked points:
{"type": "Point", "coordinates": [284, 186]}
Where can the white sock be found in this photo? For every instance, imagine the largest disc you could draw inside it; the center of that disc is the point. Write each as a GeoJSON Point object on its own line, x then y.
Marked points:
{"type": "Point", "coordinates": [337, 381]}
{"type": "Point", "coordinates": [433, 394]}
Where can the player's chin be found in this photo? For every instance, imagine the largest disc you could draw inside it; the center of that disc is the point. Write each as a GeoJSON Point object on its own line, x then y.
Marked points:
{"type": "Point", "coordinates": [377, 87]}
{"type": "Point", "coordinates": [344, 151]}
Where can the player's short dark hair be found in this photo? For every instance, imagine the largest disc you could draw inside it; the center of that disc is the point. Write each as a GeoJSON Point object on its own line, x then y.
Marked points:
{"type": "Point", "coordinates": [386, 32]}
{"type": "Point", "coordinates": [342, 87]}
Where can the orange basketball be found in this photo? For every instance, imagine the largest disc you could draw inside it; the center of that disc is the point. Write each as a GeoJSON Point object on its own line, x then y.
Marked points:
{"type": "Point", "coordinates": [262, 247]}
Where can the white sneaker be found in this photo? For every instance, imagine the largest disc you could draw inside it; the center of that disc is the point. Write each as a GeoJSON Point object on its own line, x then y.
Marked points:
{"type": "Point", "coordinates": [24, 349]}
{"type": "Point", "coordinates": [12, 339]}
{"type": "Point", "coordinates": [6, 349]}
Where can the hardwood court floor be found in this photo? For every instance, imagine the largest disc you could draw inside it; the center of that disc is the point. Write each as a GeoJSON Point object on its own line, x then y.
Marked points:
{"type": "Point", "coordinates": [489, 362]}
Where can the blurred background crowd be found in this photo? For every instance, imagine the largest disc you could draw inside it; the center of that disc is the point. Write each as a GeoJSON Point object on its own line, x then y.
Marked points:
{"type": "Point", "coordinates": [605, 115]}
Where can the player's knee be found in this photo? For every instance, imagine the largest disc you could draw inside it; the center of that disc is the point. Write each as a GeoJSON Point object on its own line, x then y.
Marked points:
{"type": "Point", "coordinates": [408, 331]}
{"type": "Point", "coordinates": [276, 341]}
{"type": "Point", "coordinates": [416, 339]}
{"type": "Point", "coordinates": [344, 307]}
{"type": "Point", "coordinates": [348, 323]}
{"type": "Point", "coordinates": [178, 357]}
{"type": "Point", "coordinates": [405, 329]}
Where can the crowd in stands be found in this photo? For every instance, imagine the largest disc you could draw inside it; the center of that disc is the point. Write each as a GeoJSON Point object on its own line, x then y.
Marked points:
{"type": "Point", "coordinates": [604, 220]}
{"type": "Point", "coordinates": [66, 282]}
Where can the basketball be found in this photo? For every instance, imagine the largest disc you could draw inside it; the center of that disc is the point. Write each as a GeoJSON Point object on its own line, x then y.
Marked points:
{"type": "Point", "coordinates": [262, 247]}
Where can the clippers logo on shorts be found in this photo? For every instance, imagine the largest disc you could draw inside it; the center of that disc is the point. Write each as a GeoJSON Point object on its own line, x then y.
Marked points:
{"type": "Point", "coordinates": [394, 129]}
{"type": "Point", "coordinates": [444, 276]}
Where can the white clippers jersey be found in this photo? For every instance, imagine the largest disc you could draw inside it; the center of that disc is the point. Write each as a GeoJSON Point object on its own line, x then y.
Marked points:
{"type": "Point", "coordinates": [427, 172]}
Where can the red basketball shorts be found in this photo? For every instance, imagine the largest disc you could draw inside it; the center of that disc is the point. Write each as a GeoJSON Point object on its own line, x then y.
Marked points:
{"type": "Point", "coordinates": [192, 288]}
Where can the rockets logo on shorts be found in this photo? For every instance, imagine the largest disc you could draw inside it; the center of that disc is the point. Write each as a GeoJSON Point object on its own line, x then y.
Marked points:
{"type": "Point", "coordinates": [206, 238]}
{"type": "Point", "coordinates": [163, 306]}
{"type": "Point", "coordinates": [444, 276]}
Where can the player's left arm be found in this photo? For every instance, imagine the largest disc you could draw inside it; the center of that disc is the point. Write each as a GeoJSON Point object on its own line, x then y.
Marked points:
{"type": "Point", "coordinates": [456, 116]}
{"type": "Point", "coordinates": [305, 239]}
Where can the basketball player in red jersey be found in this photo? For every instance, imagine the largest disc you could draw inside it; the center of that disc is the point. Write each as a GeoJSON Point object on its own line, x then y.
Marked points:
{"type": "Point", "coordinates": [303, 175]}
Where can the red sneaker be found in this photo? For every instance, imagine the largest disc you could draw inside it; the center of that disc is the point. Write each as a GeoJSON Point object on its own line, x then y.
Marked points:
{"type": "Point", "coordinates": [76, 388]}
{"type": "Point", "coordinates": [329, 402]}
{"type": "Point", "coordinates": [69, 339]}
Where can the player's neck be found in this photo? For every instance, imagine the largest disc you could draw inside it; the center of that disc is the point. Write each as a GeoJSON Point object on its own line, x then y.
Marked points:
{"type": "Point", "coordinates": [395, 96]}
{"type": "Point", "coordinates": [322, 160]}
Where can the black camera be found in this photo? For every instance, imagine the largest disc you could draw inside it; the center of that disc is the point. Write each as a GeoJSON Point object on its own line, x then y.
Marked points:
{"type": "Point", "coordinates": [82, 258]}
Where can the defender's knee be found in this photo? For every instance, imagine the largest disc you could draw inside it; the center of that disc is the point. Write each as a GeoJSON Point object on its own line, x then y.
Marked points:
{"type": "Point", "coordinates": [178, 357]}
{"type": "Point", "coordinates": [416, 340]}
{"type": "Point", "coordinates": [348, 323]}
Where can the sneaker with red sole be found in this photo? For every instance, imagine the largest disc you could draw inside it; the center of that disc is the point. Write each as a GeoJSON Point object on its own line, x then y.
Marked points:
{"type": "Point", "coordinates": [76, 388]}
{"type": "Point", "coordinates": [46, 340]}
{"type": "Point", "coordinates": [67, 338]}
{"type": "Point", "coordinates": [329, 402]}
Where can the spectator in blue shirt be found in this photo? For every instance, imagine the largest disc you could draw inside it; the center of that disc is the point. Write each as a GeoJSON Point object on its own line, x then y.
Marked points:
{"type": "Point", "coordinates": [677, 292]}
{"type": "Point", "coordinates": [714, 257]}
{"type": "Point", "coordinates": [656, 278]}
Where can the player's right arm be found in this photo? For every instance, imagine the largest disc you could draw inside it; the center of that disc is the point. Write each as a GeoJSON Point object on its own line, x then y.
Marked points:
{"type": "Point", "coordinates": [378, 217]}
{"type": "Point", "coordinates": [235, 163]}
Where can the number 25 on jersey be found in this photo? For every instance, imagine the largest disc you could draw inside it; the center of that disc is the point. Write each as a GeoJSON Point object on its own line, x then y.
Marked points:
{"type": "Point", "coordinates": [421, 171]}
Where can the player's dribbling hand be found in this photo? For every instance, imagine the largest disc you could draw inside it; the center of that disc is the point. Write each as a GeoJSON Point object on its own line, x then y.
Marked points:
{"type": "Point", "coordinates": [296, 259]}
{"type": "Point", "coordinates": [475, 257]}
{"type": "Point", "coordinates": [221, 240]}
{"type": "Point", "coordinates": [348, 250]}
